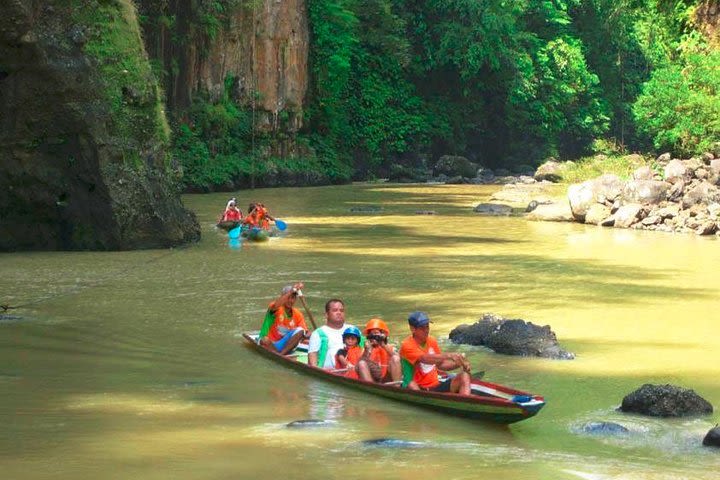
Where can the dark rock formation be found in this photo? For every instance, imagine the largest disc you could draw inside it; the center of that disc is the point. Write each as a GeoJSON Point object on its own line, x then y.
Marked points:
{"type": "Point", "coordinates": [83, 136]}
{"type": "Point", "coordinates": [511, 337]}
{"type": "Point", "coordinates": [665, 401]}
{"type": "Point", "coordinates": [604, 428]}
{"type": "Point", "coordinates": [551, 171]}
{"type": "Point", "coordinates": [455, 166]}
{"type": "Point", "coordinates": [712, 439]}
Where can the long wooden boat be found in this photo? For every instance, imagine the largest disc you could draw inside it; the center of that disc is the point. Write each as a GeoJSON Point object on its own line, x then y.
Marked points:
{"type": "Point", "coordinates": [487, 401]}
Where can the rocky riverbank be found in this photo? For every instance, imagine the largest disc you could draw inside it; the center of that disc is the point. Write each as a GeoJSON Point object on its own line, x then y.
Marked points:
{"type": "Point", "coordinates": [670, 195]}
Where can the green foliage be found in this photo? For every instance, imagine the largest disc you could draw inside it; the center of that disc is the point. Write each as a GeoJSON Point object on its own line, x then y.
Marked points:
{"type": "Point", "coordinates": [680, 105]}
{"type": "Point", "coordinates": [587, 168]}
{"type": "Point", "coordinates": [557, 98]}
{"type": "Point", "coordinates": [504, 82]}
{"type": "Point", "coordinates": [363, 106]}
{"type": "Point", "coordinates": [129, 85]}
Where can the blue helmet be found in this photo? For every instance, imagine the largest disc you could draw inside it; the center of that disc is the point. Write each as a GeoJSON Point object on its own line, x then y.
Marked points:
{"type": "Point", "coordinates": [352, 330]}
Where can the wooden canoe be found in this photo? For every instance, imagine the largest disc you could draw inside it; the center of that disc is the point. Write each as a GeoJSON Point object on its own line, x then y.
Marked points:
{"type": "Point", "coordinates": [488, 401]}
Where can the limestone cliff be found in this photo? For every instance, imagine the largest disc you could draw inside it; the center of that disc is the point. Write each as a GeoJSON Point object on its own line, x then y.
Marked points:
{"type": "Point", "coordinates": [262, 44]}
{"type": "Point", "coordinates": [82, 132]}
{"type": "Point", "coordinates": [707, 18]}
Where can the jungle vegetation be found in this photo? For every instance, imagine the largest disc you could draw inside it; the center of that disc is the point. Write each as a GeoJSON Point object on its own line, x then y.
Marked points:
{"type": "Point", "coordinates": [506, 83]}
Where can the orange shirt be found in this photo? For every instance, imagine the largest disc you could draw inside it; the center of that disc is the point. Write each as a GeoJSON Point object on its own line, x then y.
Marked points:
{"type": "Point", "coordinates": [425, 375]}
{"type": "Point", "coordinates": [380, 356]}
{"type": "Point", "coordinates": [232, 215]}
{"type": "Point", "coordinates": [284, 324]}
{"type": "Point", "coordinates": [353, 357]}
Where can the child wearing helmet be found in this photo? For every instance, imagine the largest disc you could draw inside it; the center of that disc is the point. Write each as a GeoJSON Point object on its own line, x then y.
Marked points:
{"type": "Point", "coordinates": [347, 358]}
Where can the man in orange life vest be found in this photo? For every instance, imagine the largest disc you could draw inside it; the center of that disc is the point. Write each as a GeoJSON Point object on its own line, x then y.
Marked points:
{"type": "Point", "coordinates": [284, 326]}
{"type": "Point", "coordinates": [258, 216]}
{"type": "Point", "coordinates": [421, 358]}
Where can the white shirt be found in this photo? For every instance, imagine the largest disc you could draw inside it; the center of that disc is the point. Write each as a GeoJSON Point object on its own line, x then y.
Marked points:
{"type": "Point", "coordinates": [335, 343]}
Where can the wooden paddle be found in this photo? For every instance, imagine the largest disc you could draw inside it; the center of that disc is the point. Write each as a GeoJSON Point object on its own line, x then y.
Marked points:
{"type": "Point", "coordinates": [310, 315]}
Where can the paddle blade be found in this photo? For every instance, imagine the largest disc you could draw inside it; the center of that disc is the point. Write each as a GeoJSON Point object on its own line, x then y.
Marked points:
{"type": "Point", "coordinates": [282, 226]}
{"type": "Point", "coordinates": [235, 233]}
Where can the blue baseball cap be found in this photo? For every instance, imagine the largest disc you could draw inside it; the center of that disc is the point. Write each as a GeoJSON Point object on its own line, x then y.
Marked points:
{"type": "Point", "coordinates": [418, 319]}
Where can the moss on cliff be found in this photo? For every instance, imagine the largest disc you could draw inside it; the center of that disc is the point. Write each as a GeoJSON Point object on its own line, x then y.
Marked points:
{"type": "Point", "coordinates": [131, 90]}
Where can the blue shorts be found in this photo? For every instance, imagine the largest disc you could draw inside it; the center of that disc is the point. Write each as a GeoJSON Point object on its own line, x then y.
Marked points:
{"type": "Point", "coordinates": [280, 344]}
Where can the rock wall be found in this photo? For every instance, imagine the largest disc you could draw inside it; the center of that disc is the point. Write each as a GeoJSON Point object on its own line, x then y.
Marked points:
{"type": "Point", "coordinates": [707, 18]}
{"type": "Point", "coordinates": [262, 44]}
{"type": "Point", "coordinates": [82, 132]}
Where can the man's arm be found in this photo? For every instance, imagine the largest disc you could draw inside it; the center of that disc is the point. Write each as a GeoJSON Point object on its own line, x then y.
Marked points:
{"type": "Point", "coordinates": [446, 361]}
{"type": "Point", "coordinates": [313, 359]}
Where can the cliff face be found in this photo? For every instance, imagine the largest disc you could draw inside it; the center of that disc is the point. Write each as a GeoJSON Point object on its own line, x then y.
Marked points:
{"type": "Point", "coordinates": [82, 132]}
{"type": "Point", "coordinates": [707, 17]}
{"type": "Point", "coordinates": [262, 45]}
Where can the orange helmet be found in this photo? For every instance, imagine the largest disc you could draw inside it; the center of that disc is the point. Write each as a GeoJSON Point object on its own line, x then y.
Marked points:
{"type": "Point", "coordinates": [376, 323]}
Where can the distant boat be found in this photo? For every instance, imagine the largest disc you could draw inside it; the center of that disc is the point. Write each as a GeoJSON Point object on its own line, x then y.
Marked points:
{"type": "Point", "coordinates": [487, 401]}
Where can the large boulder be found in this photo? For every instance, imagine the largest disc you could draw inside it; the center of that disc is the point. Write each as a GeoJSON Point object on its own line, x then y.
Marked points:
{"type": "Point", "coordinates": [454, 166]}
{"type": "Point", "coordinates": [675, 170]}
{"type": "Point", "coordinates": [703, 192]}
{"type": "Point", "coordinates": [643, 173]}
{"type": "Point", "coordinates": [511, 337]}
{"type": "Point", "coordinates": [604, 189]}
{"type": "Point", "coordinates": [645, 191]}
{"type": "Point", "coordinates": [712, 439]}
{"type": "Point", "coordinates": [665, 401]}
{"type": "Point", "coordinates": [627, 215]}
{"type": "Point", "coordinates": [550, 171]}
{"type": "Point", "coordinates": [597, 214]}
{"type": "Point", "coordinates": [552, 212]}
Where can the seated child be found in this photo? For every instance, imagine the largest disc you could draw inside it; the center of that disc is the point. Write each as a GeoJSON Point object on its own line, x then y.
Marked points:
{"type": "Point", "coordinates": [348, 357]}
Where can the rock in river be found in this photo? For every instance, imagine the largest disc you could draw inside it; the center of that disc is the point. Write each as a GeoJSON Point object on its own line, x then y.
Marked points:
{"type": "Point", "coordinates": [665, 401]}
{"type": "Point", "coordinates": [511, 337]}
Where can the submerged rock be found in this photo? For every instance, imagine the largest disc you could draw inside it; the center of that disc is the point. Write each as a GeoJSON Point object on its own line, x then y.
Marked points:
{"type": "Point", "coordinates": [712, 439]}
{"type": "Point", "coordinates": [391, 443]}
{"type": "Point", "coordinates": [366, 209]}
{"type": "Point", "coordinates": [665, 401]}
{"type": "Point", "coordinates": [309, 423]}
{"type": "Point", "coordinates": [604, 428]}
{"type": "Point", "coordinates": [511, 337]}
{"type": "Point", "coordinates": [494, 209]}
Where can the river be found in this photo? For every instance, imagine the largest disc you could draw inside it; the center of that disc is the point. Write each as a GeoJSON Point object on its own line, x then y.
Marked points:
{"type": "Point", "coordinates": [130, 364]}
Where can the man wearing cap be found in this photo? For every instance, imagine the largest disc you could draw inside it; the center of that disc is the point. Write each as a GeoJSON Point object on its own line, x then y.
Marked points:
{"type": "Point", "coordinates": [327, 340]}
{"type": "Point", "coordinates": [284, 325]}
{"type": "Point", "coordinates": [421, 357]}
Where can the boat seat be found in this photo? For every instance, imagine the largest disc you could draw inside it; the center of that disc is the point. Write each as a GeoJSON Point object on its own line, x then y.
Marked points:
{"type": "Point", "coordinates": [396, 382]}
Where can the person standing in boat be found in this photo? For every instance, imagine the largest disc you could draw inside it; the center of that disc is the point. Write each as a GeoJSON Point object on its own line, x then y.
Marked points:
{"type": "Point", "coordinates": [380, 362]}
{"type": "Point", "coordinates": [421, 358]}
{"type": "Point", "coordinates": [327, 340]}
{"type": "Point", "coordinates": [284, 326]}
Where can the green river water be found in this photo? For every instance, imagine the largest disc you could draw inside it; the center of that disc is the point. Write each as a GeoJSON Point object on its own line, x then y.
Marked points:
{"type": "Point", "coordinates": [130, 364]}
